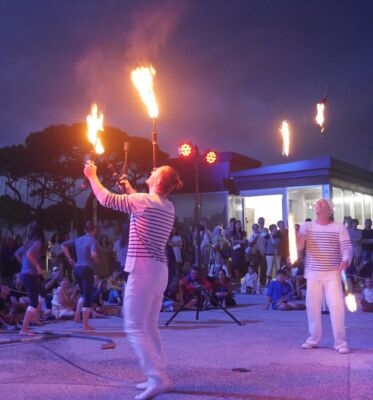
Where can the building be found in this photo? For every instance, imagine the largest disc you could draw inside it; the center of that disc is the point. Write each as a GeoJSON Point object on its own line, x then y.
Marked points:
{"type": "Point", "coordinates": [240, 187]}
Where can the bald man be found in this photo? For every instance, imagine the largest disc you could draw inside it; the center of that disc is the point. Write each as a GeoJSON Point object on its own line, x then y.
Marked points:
{"type": "Point", "coordinates": [328, 253]}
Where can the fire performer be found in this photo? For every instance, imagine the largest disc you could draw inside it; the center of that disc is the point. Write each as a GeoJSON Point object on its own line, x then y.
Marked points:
{"type": "Point", "coordinates": [152, 218]}
{"type": "Point", "coordinates": [86, 254]}
{"type": "Point", "coordinates": [328, 253]}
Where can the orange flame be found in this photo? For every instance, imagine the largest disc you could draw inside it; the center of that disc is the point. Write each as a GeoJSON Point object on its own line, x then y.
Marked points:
{"type": "Point", "coordinates": [351, 302]}
{"type": "Point", "coordinates": [320, 119]}
{"type": "Point", "coordinates": [292, 240]}
{"type": "Point", "coordinates": [142, 78]}
{"type": "Point", "coordinates": [285, 138]}
{"type": "Point", "coordinates": [95, 124]}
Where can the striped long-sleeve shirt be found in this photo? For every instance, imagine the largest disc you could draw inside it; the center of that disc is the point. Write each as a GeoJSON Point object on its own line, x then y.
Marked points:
{"type": "Point", "coordinates": [326, 247]}
{"type": "Point", "coordinates": [151, 221]}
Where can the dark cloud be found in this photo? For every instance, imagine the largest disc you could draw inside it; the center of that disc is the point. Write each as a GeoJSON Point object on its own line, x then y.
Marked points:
{"type": "Point", "coordinates": [227, 72]}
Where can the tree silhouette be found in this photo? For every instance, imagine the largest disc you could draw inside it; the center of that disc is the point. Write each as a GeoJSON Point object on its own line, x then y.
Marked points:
{"type": "Point", "coordinates": [47, 169]}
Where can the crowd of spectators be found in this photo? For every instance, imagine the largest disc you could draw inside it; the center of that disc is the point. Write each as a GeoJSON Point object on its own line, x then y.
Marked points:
{"type": "Point", "coordinates": [231, 261]}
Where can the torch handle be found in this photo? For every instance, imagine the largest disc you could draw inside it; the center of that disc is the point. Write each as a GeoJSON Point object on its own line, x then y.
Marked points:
{"type": "Point", "coordinates": [155, 148]}
{"type": "Point", "coordinates": [84, 184]}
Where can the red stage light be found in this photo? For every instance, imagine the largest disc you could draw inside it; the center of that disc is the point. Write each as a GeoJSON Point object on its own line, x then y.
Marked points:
{"type": "Point", "coordinates": [211, 157]}
{"type": "Point", "coordinates": [185, 149]}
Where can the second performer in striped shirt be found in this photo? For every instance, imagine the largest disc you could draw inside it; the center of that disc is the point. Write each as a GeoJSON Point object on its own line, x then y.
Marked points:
{"type": "Point", "coordinates": [328, 252]}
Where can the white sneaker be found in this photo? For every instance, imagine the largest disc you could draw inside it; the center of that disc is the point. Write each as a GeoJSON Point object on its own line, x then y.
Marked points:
{"type": "Point", "coordinates": [344, 349]}
{"type": "Point", "coordinates": [308, 345]}
{"type": "Point", "coordinates": [142, 385]}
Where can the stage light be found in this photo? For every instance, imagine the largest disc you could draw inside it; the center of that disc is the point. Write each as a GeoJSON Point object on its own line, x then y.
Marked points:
{"type": "Point", "coordinates": [185, 150]}
{"type": "Point", "coordinates": [211, 157]}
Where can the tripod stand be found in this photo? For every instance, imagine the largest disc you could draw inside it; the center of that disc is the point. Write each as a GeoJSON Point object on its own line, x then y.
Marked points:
{"type": "Point", "coordinates": [201, 295]}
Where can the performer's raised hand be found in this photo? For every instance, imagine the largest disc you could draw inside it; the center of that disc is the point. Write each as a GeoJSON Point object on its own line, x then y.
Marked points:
{"type": "Point", "coordinates": [90, 169]}
{"type": "Point", "coordinates": [126, 187]}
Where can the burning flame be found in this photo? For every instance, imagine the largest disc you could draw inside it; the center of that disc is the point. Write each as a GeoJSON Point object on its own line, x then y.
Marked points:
{"type": "Point", "coordinates": [285, 138]}
{"type": "Point", "coordinates": [142, 78]}
{"type": "Point", "coordinates": [292, 240]}
{"type": "Point", "coordinates": [95, 124]}
{"type": "Point", "coordinates": [320, 119]}
{"type": "Point", "coordinates": [351, 302]}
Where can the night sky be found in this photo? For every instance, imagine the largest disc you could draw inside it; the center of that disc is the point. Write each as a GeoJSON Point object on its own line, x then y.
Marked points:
{"type": "Point", "coordinates": [228, 72]}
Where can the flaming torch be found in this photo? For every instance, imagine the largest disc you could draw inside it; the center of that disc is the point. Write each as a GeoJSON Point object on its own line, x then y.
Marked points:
{"type": "Point", "coordinates": [95, 124]}
{"type": "Point", "coordinates": [142, 78]}
{"type": "Point", "coordinates": [350, 298]}
{"type": "Point", "coordinates": [293, 251]}
{"type": "Point", "coordinates": [285, 138]}
{"type": "Point", "coordinates": [320, 118]}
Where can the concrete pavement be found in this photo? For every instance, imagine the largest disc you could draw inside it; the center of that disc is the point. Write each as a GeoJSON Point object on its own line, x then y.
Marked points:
{"type": "Point", "coordinates": [201, 357]}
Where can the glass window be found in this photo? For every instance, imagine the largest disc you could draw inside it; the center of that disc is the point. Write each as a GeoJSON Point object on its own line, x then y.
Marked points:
{"type": "Point", "coordinates": [348, 204]}
{"type": "Point", "coordinates": [302, 202]}
{"type": "Point", "coordinates": [338, 204]}
{"type": "Point", "coordinates": [268, 206]}
{"type": "Point", "coordinates": [213, 209]}
{"type": "Point", "coordinates": [368, 200]}
{"type": "Point", "coordinates": [358, 206]}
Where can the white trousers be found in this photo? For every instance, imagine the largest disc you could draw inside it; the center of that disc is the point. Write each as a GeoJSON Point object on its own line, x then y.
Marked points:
{"type": "Point", "coordinates": [335, 301]}
{"type": "Point", "coordinates": [142, 304]}
{"type": "Point", "coordinates": [273, 261]}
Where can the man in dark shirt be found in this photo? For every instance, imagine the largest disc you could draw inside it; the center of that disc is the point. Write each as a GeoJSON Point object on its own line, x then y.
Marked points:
{"type": "Point", "coordinates": [367, 241]}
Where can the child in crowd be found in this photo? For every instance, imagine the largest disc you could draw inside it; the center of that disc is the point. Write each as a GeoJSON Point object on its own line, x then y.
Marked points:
{"type": "Point", "coordinates": [250, 282]}
{"type": "Point", "coordinates": [280, 294]}
{"type": "Point", "coordinates": [367, 301]}
{"type": "Point", "coordinates": [222, 290]}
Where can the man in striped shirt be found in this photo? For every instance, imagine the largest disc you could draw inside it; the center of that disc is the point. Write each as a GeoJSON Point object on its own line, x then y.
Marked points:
{"type": "Point", "coordinates": [328, 253]}
{"type": "Point", "coordinates": [152, 218]}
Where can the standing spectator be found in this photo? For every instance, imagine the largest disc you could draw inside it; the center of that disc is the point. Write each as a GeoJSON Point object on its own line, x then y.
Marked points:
{"type": "Point", "coordinates": [177, 245]}
{"type": "Point", "coordinates": [221, 251]}
{"type": "Point", "coordinates": [253, 251]}
{"type": "Point", "coordinates": [228, 232]}
{"type": "Point", "coordinates": [104, 251]}
{"type": "Point", "coordinates": [120, 248]}
{"type": "Point", "coordinates": [284, 233]}
{"type": "Point", "coordinates": [328, 252]}
{"type": "Point", "coordinates": [29, 256]}
{"type": "Point", "coordinates": [205, 238]}
{"type": "Point", "coordinates": [238, 243]}
{"type": "Point", "coordinates": [367, 241]}
{"type": "Point", "coordinates": [273, 247]}
{"type": "Point", "coordinates": [262, 229]}
{"type": "Point", "coordinates": [355, 237]}
{"type": "Point", "coordinates": [86, 256]}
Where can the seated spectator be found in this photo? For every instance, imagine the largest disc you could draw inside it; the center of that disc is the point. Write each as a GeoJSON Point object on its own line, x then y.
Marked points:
{"type": "Point", "coordinates": [192, 288]}
{"type": "Point", "coordinates": [367, 301]}
{"type": "Point", "coordinates": [250, 282]}
{"type": "Point", "coordinates": [64, 301]}
{"type": "Point", "coordinates": [115, 288]}
{"type": "Point", "coordinates": [296, 277]}
{"type": "Point", "coordinates": [280, 294]}
{"type": "Point", "coordinates": [6, 318]}
{"type": "Point", "coordinates": [222, 291]}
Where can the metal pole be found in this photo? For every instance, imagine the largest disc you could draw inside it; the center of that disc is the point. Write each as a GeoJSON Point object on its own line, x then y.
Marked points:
{"type": "Point", "coordinates": [198, 207]}
{"type": "Point", "coordinates": [155, 144]}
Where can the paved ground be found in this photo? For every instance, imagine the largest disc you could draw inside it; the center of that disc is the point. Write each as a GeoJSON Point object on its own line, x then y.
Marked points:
{"type": "Point", "coordinates": [201, 355]}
